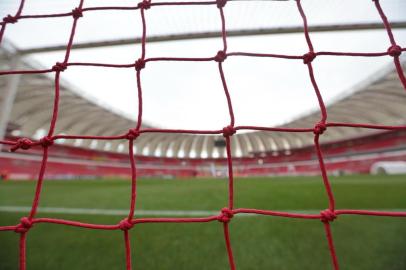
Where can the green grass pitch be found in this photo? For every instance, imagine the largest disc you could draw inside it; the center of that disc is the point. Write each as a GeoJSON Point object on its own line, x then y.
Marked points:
{"type": "Point", "coordinates": [259, 242]}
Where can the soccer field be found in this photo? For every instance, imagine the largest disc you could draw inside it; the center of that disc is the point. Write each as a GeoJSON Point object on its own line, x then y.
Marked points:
{"type": "Point", "coordinates": [259, 242]}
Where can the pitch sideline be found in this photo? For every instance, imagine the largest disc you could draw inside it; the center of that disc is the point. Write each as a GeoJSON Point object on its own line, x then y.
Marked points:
{"type": "Point", "coordinates": [140, 212]}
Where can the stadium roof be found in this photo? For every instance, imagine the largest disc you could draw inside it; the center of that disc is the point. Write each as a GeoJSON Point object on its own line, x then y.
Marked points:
{"type": "Point", "coordinates": [379, 100]}
{"type": "Point", "coordinates": [376, 100]}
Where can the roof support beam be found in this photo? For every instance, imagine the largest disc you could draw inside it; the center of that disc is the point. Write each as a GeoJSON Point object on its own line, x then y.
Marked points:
{"type": "Point", "coordinates": [216, 34]}
{"type": "Point", "coordinates": [9, 94]}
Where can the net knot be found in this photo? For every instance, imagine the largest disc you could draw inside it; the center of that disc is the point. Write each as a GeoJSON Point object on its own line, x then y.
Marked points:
{"type": "Point", "coordinates": [228, 131]}
{"type": "Point", "coordinates": [327, 215]}
{"type": "Point", "coordinates": [220, 56]}
{"type": "Point", "coordinates": [226, 215]}
{"type": "Point", "coordinates": [46, 141]}
{"type": "Point", "coordinates": [309, 57]}
{"type": "Point", "coordinates": [125, 225]}
{"type": "Point", "coordinates": [59, 67]}
{"type": "Point", "coordinates": [23, 143]}
{"type": "Point", "coordinates": [394, 50]}
{"type": "Point", "coordinates": [139, 64]}
{"type": "Point", "coordinates": [132, 134]}
{"type": "Point", "coordinates": [77, 13]}
{"type": "Point", "coordinates": [24, 226]}
{"type": "Point", "coordinates": [221, 3]}
{"type": "Point", "coordinates": [146, 4]}
{"type": "Point", "coordinates": [10, 19]}
{"type": "Point", "coordinates": [319, 128]}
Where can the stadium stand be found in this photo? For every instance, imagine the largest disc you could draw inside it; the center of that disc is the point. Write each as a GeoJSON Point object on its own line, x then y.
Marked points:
{"type": "Point", "coordinates": [351, 156]}
{"type": "Point", "coordinates": [347, 151]}
{"type": "Point", "coordinates": [28, 117]}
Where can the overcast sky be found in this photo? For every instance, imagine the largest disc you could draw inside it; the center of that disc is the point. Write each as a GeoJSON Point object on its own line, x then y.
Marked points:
{"type": "Point", "coordinates": [264, 91]}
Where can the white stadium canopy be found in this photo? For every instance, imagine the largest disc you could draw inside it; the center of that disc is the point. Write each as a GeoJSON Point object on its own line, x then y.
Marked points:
{"type": "Point", "coordinates": [103, 102]}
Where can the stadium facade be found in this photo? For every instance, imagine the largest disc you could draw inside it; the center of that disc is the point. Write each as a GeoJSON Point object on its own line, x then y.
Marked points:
{"type": "Point", "coordinates": [26, 106]}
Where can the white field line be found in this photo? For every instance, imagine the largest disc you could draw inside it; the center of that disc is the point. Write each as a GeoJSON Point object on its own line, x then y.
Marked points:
{"type": "Point", "coordinates": [153, 213]}
{"type": "Point", "coordinates": [110, 212]}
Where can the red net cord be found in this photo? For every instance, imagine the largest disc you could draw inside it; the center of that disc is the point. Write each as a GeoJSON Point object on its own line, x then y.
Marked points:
{"type": "Point", "coordinates": [227, 213]}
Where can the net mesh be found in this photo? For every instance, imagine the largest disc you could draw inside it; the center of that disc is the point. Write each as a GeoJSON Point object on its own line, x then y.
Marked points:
{"type": "Point", "coordinates": [226, 214]}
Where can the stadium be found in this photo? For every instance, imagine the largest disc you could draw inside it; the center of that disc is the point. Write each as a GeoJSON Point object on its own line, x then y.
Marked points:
{"type": "Point", "coordinates": [220, 134]}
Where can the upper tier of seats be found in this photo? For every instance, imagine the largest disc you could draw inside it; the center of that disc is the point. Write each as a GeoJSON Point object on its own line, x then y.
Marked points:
{"type": "Point", "coordinates": [73, 161]}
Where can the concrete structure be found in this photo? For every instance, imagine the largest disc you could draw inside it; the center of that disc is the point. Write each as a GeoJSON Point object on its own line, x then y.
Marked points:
{"type": "Point", "coordinates": [26, 102]}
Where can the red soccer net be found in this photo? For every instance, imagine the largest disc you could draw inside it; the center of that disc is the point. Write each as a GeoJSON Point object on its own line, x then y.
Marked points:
{"type": "Point", "coordinates": [227, 213]}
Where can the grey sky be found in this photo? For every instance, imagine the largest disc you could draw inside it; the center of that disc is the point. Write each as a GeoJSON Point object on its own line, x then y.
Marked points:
{"type": "Point", "coordinates": [264, 91]}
